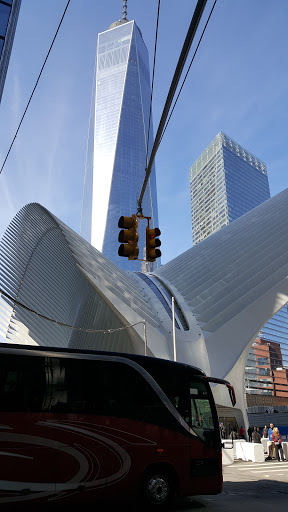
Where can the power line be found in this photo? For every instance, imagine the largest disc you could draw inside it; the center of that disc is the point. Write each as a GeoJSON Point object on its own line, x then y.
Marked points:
{"type": "Point", "coordinates": [182, 59]}
{"type": "Point", "coordinates": [61, 324]}
{"type": "Point", "coordinates": [35, 87]}
{"type": "Point", "coordinates": [154, 61]}
{"type": "Point", "coordinates": [203, 32]}
{"type": "Point", "coordinates": [181, 62]}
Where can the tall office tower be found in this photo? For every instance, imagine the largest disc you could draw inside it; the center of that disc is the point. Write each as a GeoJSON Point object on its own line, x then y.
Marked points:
{"type": "Point", "coordinates": [227, 181]}
{"type": "Point", "coordinates": [117, 143]}
{"type": "Point", "coordinates": [9, 11]}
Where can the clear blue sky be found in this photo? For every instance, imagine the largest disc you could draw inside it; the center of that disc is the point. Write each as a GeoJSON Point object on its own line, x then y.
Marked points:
{"type": "Point", "coordinates": [238, 83]}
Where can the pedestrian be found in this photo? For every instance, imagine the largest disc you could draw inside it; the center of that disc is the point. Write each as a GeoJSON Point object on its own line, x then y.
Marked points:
{"type": "Point", "coordinates": [242, 432]}
{"type": "Point", "coordinates": [270, 444]}
{"type": "Point", "coordinates": [256, 438]}
{"type": "Point", "coordinates": [250, 430]}
{"type": "Point", "coordinates": [234, 433]}
{"type": "Point", "coordinates": [277, 440]}
{"type": "Point", "coordinates": [265, 432]}
{"type": "Point", "coordinates": [221, 428]}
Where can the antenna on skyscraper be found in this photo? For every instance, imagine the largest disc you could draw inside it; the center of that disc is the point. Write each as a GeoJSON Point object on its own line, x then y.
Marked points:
{"type": "Point", "coordinates": [124, 17]}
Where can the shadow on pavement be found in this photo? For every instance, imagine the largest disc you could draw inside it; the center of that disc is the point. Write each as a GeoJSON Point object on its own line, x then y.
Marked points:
{"type": "Point", "coordinates": [257, 496]}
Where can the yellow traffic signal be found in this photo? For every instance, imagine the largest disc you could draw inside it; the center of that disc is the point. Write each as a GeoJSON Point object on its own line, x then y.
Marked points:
{"type": "Point", "coordinates": [151, 243]}
{"type": "Point", "coordinates": [128, 237]}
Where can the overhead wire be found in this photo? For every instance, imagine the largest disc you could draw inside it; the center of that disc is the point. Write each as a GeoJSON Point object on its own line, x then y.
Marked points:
{"type": "Point", "coordinates": [61, 324]}
{"type": "Point", "coordinates": [34, 89]}
{"type": "Point", "coordinates": [84, 329]}
{"type": "Point", "coordinates": [152, 86]}
{"type": "Point", "coordinates": [199, 9]}
{"type": "Point", "coordinates": [180, 90]}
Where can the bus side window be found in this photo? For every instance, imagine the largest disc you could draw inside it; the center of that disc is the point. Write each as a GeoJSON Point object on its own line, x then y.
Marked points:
{"type": "Point", "coordinates": [19, 384]}
{"type": "Point", "coordinates": [127, 394]}
{"type": "Point", "coordinates": [9, 389]}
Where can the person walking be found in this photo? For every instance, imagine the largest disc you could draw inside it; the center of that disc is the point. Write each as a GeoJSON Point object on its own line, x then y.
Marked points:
{"type": "Point", "coordinates": [250, 430]}
{"type": "Point", "coordinates": [265, 432]}
{"type": "Point", "coordinates": [256, 438]}
{"type": "Point", "coordinates": [277, 440]}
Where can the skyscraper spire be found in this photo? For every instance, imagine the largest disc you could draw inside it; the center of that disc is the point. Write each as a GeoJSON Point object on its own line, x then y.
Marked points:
{"type": "Point", "coordinates": [124, 17]}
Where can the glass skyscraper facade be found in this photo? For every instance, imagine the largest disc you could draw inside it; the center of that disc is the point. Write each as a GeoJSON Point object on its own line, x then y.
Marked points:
{"type": "Point", "coordinates": [117, 144]}
{"type": "Point", "coordinates": [9, 11]}
{"type": "Point", "coordinates": [226, 182]}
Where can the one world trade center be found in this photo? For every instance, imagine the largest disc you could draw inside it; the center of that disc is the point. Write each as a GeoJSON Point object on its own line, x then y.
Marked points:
{"type": "Point", "coordinates": [117, 143]}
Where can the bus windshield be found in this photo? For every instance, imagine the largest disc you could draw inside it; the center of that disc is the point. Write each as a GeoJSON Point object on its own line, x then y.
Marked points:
{"type": "Point", "coordinates": [191, 396]}
{"type": "Point", "coordinates": [202, 418]}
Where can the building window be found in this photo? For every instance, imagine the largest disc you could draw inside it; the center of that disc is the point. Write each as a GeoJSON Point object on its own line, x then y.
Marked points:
{"type": "Point", "coordinates": [261, 361]}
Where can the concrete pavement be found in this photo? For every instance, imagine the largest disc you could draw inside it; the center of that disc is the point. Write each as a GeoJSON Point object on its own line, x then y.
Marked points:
{"type": "Point", "coordinates": [248, 486]}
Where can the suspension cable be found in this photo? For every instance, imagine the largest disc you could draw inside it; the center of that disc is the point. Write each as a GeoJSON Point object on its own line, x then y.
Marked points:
{"type": "Point", "coordinates": [61, 324]}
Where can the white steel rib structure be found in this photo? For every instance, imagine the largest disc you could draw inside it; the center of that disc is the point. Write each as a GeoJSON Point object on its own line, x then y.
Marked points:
{"type": "Point", "coordinates": [225, 289]}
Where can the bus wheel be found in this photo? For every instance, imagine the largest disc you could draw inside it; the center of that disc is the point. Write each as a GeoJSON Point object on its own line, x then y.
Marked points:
{"type": "Point", "coordinates": [157, 489]}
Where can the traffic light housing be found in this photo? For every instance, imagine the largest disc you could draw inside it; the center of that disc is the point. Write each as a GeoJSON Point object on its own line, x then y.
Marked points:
{"type": "Point", "coordinates": [128, 237]}
{"type": "Point", "coordinates": [152, 242]}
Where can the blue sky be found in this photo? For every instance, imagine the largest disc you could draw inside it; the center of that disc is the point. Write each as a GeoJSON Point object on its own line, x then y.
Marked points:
{"type": "Point", "coordinates": [238, 83]}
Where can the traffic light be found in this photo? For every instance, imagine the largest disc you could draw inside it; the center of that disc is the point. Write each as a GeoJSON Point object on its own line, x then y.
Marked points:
{"type": "Point", "coordinates": [151, 243]}
{"type": "Point", "coordinates": [128, 237]}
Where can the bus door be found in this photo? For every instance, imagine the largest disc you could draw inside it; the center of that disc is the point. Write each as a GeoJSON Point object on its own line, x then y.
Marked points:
{"type": "Point", "coordinates": [205, 449]}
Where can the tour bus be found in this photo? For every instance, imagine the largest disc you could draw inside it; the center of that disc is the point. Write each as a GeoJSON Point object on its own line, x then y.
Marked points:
{"type": "Point", "coordinates": [80, 426]}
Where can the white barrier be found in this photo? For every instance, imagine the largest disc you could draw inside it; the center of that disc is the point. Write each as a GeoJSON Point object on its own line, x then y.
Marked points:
{"type": "Point", "coordinates": [227, 456]}
{"type": "Point", "coordinates": [250, 451]}
{"type": "Point", "coordinates": [285, 449]}
{"type": "Point", "coordinates": [235, 443]}
{"type": "Point", "coordinates": [264, 442]}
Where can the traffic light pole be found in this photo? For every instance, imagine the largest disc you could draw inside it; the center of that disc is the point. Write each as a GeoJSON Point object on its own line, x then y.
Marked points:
{"type": "Point", "coordinates": [145, 338]}
{"type": "Point", "coordinates": [173, 328]}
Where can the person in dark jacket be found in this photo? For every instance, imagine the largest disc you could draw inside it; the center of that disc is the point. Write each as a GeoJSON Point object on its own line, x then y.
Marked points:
{"type": "Point", "coordinates": [250, 430]}
{"type": "Point", "coordinates": [265, 431]}
{"type": "Point", "coordinates": [256, 438]}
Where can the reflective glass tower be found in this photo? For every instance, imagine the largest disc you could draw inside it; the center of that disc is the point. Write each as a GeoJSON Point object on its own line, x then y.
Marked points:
{"type": "Point", "coordinates": [117, 143]}
{"type": "Point", "coordinates": [227, 181]}
{"type": "Point", "coordinates": [9, 11]}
